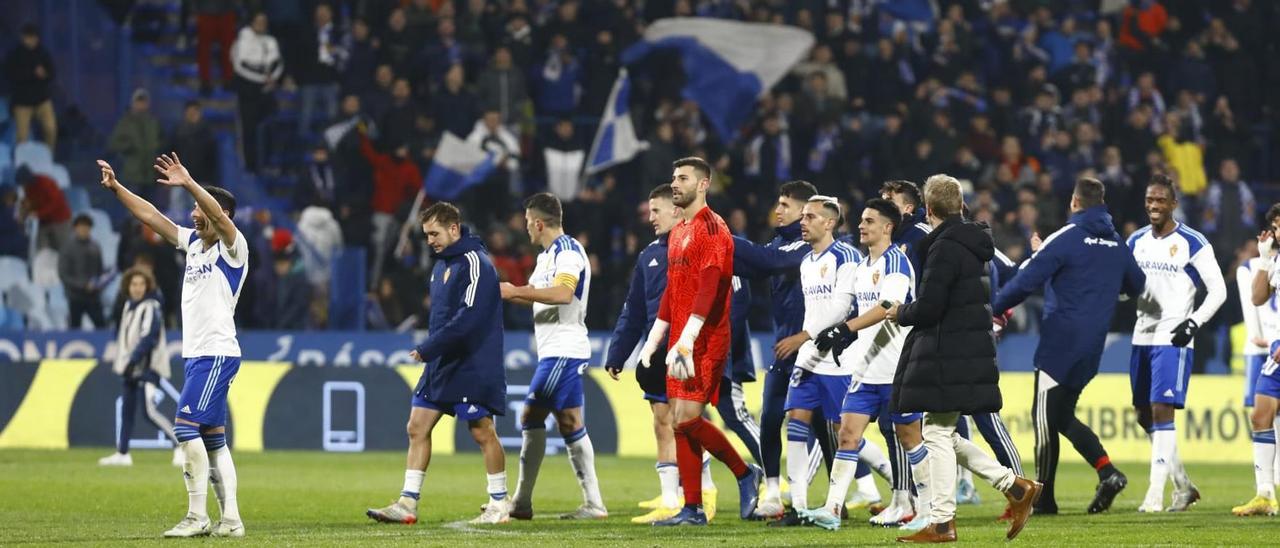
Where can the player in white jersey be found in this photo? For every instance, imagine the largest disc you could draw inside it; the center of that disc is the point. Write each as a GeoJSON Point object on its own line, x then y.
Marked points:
{"type": "Point", "coordinates": [1264, 385]}
{"type": "Point", "coordinates": [1175, 259]}
{"type": "Point", "coordinates": [1261, 322]}
{"type": "Point", "coordinates": [558, 293]}
{"type": "Point", "coordinates": [818, 381]}
{"type": "Point", "coordinates": [216, 269]}
{"type": "Point", "coordinates": [884, 276]}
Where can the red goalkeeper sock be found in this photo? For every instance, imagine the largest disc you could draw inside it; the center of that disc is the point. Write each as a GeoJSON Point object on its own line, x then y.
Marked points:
{"type": "Point", "coordinates": [689, 461]}
{"type": "Point", "coordinates": [715, 442]}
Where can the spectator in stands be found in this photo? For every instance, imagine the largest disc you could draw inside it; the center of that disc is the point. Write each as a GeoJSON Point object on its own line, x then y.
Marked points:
{"type": "Point", "coordinates": [397, 42]}
{"type": "Point", "coordinates": [557, 80]}
{"type": "Point", "coordinates": [80, 269]}
{"type": "Point", "coordinates": [1230, 210]}
{"type": "Point", "coordinates": [29, 70]}
{"type": "Point", "coordinates": [194, 142]}
{"type": "Point", "coordinates": [13, 236]}
{"type": "Point", "coordinates": [48, 204]}
{"type": "Point", "coordinates": [258, 67]}
{"type": "Point", "coordinates": [317, 185]}
{"type": "Point", "coordinates": [441, 53]}
{"type": "Point", "coordinates": [563, 156]}
{"type": "Point", "coordinates": [293, 294]}
{"type": "Point", "coordinates": [317, 75]}
{"type": "Point", "coordinates": [454, 107]}
{"type": "Point", "coordinates": [502, 86]}
{"type": "Point", "coordinates": [136, 139]}
{"type": "Point", "coordinates": [396, 182]}
{"type": "Point", "coordinates": [396, 124]}
{"type": "Point", "coordinates": [215, 23]}
{"type": "Point", "coordinates": [362, 58]}
{"type": "Point", "coordinates": [1185, 156]}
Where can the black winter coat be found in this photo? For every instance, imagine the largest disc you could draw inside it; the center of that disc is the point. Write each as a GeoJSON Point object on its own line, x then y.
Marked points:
{"type": "Point", "coordinates": [948, 362]}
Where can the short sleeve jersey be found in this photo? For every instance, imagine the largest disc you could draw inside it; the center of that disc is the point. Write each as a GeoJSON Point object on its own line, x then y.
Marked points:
{"type": "Point", "coordinates": [694, 245]}
{"type": "Point", "coordinates": [211, 287]}
{"type": "Point", "coordinates": [560, 330]}
{"type": "Point", "coordinates": [874, 355]}
{"type": "Point", "coordinates": [827, 281]}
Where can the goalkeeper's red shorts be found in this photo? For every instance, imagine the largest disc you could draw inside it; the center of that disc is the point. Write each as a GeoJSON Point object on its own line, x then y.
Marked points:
{"type": "Point", "coordinates": [709, 361]}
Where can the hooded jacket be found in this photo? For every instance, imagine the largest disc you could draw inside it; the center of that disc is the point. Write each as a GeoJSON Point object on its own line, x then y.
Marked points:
{"type": "Point", "coordinates": [463, 353]}
{"type": "Point", "coordinates": [948, 361]}
{"type": "Point", "coordinates": [140, 341]}
{"type": "Point", "coordinates": [1083, 267]}
{"type": "Point", "coordinates": [780, 261]}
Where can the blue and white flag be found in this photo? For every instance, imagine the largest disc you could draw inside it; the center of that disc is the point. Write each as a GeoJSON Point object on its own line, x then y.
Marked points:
{"type": "Point", "coordinates": [728, 65]}
{"type": "Point", "coordinates": [616, 140]}
{"type": "Point", "coordinates": [458, 165]}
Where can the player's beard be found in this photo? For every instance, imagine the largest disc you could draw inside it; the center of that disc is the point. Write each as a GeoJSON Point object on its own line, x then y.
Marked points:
{"type": "Point", "coordinates": [684, 200]}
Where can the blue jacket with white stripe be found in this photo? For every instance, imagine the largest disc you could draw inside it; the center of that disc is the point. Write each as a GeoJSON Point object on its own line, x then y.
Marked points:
{"type": "Point", "coordinates": [463, 352]}
{"type": "Point", "coordinates": [644, 296]}
{"type": "Point", "coordinates": [780, 261]}
{"type": "Point", "coordinates": [910, 234]}
{"type": "Point", "coordinates": [1083, 268]}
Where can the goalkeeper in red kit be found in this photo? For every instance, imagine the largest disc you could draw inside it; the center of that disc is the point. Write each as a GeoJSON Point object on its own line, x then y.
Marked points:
{"type": "Point", "coordinates": [695, 306]}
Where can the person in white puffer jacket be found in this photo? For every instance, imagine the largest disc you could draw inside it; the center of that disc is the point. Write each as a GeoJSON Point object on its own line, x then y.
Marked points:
{"type": "Point", "coordinates": [256, 60]}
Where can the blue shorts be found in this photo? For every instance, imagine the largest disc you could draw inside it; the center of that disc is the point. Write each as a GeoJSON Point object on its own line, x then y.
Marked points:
{"type": "Point", "coordinates": [873, 400]}
{"type": "Point", "coordinates": [204, 392]}
{"type": "Point", "coordinates": [557, 384]}
{"type": "Point", "coordinates": [809, 390]}
{"type": "Point", "coordinates": [462, 411]}
{"type": "Point", "coordinates": [1160, 374]}
{"type": "Point", "coordinates": [1268, 377]}
{"type": "Point", "coordinates": [1252, 367]}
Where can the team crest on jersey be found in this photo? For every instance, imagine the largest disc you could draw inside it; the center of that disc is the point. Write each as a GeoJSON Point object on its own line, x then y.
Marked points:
{"type": "Point", "coordinates": [447, 271]}
{"type": "Point", "coordinates": [1173, 250]}
{"type": "Point", "coordinates": [875, 277]}
{"type": "Point", "coordinates": [822, 272]}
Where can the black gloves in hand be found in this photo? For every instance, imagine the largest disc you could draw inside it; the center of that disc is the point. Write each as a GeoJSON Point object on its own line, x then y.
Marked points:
{"type": "Point", "coordinates": [1185, 331]}
{"type": "Point", "coordinates": [832, 337]}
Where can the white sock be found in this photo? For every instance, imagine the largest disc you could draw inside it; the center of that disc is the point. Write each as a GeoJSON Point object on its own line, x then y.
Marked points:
{"type": "Point", "coordinates": [708, 482]}
{"type": "Point", "coordinates": [669, 480]}
{"type": "Point", "coordinates": [224, 469]}
{"type": "Point", "coordinates": [843, 468]}
{"type": "Point", "coordinates": [531, 453]}
{"type": "Point", "coordinates": [867, 487]}
{"type": "Point", "coordinates": [497, 485]}
{"type": "Point", "coordinates": [582, 456]}
{"type": "Point", "coordinates": [798, 472]}
{"type": "Point", "coordinates": [918, 457]}
{"type": "Point", "coordinates": [873, 456]}
{"type": "Point", "coordinates": [412, 487]}
{"type": "Point", "coordinates": [195, 473]}
{"type": "Point", "coordinates": [1264, 457]}
{"type": "Point", "coordinates": [1275, 429]}
{"type": "Point", "coordinates": [773, 489]}
{"type": "Point", "coordinates": [1162, 447]}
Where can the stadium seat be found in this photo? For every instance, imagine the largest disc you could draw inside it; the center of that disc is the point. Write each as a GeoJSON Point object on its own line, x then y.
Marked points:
{"type": "Point", "coordinates": [6, 162]}
{"type": "Point", "coordinates": [12, 271]}
{"type": "Point", "coordinates": [44, 268]}
{"type": "Point", "coordinates": [34, 154]}
{"type": "Point", "coordinates": [60, 175]}
{"type": "Point", "coordinates": [29, 300]}
{"type": "Point", "coordinates": [57, 307]}
{"type": "Point", "coordinates": [77, 199]}
{"type": "Point", "coordinates": [10, 319]}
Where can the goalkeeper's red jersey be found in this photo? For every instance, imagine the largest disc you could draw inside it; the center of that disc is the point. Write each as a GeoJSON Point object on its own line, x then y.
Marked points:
{"type": "Point", "coordinates": [694, 246]}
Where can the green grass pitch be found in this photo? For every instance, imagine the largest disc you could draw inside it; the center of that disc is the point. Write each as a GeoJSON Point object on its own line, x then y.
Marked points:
{"type": "Point", "coordinates": [310, 499]}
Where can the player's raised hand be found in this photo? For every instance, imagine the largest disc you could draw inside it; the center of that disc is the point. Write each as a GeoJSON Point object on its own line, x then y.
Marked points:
{"type": "Point", "coordinates": [109, 181]}
{"type": "Point", "coordinates": [171, 170]}
{"type": "Point", "coordinates": [1035, 242]}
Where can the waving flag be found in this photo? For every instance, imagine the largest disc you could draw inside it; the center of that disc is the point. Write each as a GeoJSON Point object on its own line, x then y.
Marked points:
{"type": "Point", "coordinates": [616, 140]}
{"type": "Point", "coordinates": [458, 166]}
{"type": "Point", "coordinates": [728, 65]}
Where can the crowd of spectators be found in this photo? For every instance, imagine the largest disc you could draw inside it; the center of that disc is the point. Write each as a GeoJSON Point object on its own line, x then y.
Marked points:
{"type": "Point", "coordinates": [1016, 98]}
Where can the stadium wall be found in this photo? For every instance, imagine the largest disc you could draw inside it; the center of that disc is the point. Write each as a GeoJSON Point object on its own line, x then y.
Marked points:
{"type": "Point", "coordinates": [338, 391]}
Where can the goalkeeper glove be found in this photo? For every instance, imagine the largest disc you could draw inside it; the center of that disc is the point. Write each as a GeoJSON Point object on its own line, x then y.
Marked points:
{"type": "Point", "coordinates": [651, 344]}
{"type": "Point", "coordinates": [832, 337]}
{"type": "Point", "coordinates": [680, 357]}
{"type": "Point", "coordinates": [1185, 331]}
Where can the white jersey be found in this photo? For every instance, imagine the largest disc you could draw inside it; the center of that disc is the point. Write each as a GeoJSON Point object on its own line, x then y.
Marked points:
{"type": "Point", "coordinates": [1174, 264]}
{"type": "Point", "coordinates": [874, 355]}
{"type": "Point", "coordinates": [1260, 322]}
{"type": "Point", "coordinates": [560, 331]}
{"type": "Point", "coordinates": [210, 290]}
{"type": "Point", "coordinates": [827, 282]}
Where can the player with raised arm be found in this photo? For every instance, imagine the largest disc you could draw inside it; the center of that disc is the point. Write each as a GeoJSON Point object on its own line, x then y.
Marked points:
{"type": "Point", "coordinates": [216, 267]}
{"type": "Point", "coordinates": [557, 291]}
{"type": "Point", "coordinates": [1264, 385]}
{"type": "Point", "coordinates": [1175, 259]}
{"type": "Point", "coordinates": [699, 287]}
{"type": "Point", "coordinates": [1262, 322]}
{"type": "Point", "coordinates": [462, 374]}
{"type": "Point", "coordinates": [818, 381]}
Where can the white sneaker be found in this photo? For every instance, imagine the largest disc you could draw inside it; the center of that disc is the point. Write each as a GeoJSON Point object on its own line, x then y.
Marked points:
{"type": "Point", "coordinates": [893, 516]}
{"type": "Point", "coordinates": [179, 458]}
{"type": "Point", "coordinates": [769, 509]}
{"type": "Point", "coordinates": [587, 511]}
{"type": "Point", "coordinates": [860, 500]}
{"type": "Point", "coordinates": [225, 528]}
{"type": "Point", "coordinates": [496, 511]}
{"type": "Point", "coordinates": [190, 526]}
{"type": "Point", "coordinates": [116, 459]}
{"type": "Point", "coordinates": [1150, 507]}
